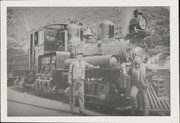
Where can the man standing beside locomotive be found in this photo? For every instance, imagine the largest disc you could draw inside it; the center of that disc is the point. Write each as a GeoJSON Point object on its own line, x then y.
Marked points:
{"type": "Point", "coordinates": [139, 81]}
{"type": "Point", "coordinates": [76, 79]}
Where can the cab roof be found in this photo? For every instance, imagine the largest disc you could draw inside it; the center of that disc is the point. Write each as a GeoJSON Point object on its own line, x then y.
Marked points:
{"type": "Point", "coordinates": [50, 26]}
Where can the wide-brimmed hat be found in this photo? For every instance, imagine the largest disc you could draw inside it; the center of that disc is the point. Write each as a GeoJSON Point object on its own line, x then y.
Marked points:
{"type": "Point", "coordinates": [79, 53]}
{"type": "Point", "coordinates": [137, 12]}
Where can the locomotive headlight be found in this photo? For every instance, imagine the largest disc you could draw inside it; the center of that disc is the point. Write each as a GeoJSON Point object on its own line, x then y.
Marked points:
{"type": "Point", "coordinates": [142, 22]}
{"type": "Point", "coordinates": [114, 61]}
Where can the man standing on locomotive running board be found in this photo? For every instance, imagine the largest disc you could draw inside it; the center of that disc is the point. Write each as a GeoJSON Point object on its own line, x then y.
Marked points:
{"type": "Point", "coordinates": [139, 81]}
{"type": "Point", "coordinates": [76, 79]}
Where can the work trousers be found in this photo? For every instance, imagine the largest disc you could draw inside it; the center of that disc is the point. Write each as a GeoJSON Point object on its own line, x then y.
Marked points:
{"type": "Point", "coordinates": [143, 93]}
{"type": "Point", "coordinates": [78, 91]}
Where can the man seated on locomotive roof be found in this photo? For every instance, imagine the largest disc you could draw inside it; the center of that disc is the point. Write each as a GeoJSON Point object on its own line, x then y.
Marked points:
{"type": "Point", "coordinates": [76, 80]}
{"type": "Point", "coordinates": [134, 20]}
{"type": "Point", "coordinates": [137, 31]}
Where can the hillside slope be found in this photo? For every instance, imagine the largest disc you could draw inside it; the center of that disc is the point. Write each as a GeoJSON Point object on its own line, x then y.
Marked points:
{"type": "Point", "coordinates": [23, 20]}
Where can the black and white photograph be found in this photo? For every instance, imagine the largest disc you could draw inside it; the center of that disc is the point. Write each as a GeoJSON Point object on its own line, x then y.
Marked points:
{"type": "Point", "coordinates": [89, 61]}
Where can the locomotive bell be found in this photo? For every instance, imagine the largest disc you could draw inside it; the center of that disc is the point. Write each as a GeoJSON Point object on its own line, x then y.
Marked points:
{"type": "Point", "coordinates": [74, 33]}
{"type": "Point", "coordinates": [106, 30]}
{"type": "Point", "coordinates": [88, 32]}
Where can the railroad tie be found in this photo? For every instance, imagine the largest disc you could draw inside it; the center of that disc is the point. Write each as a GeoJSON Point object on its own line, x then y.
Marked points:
{"type": "Point", "coordinates": [156, 98]}
{"type": "Point", "coordinates": [152, 106]}
{"type": "Point", "coordinates": [157, 103]}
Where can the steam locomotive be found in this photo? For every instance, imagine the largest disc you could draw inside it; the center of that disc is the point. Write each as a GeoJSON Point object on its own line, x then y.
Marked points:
{"type": "Point", "coordinates": [53, 48]}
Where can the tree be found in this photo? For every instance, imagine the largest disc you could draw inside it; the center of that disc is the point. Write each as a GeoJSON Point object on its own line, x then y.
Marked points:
{"type": "Point", "coordinates": [11, 15]}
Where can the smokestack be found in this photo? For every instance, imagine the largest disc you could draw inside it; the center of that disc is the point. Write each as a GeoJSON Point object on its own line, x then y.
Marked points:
{"type": "Point", "coordinates": [126, 15]}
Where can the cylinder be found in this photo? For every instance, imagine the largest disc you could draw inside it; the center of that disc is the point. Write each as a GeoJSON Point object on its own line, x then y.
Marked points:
{"type": "Point", "coordinates": [106, 30]}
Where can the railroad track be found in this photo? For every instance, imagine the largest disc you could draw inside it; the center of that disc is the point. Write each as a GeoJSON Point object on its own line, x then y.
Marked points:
{"type": "Point", "coordinates": [158, 105]}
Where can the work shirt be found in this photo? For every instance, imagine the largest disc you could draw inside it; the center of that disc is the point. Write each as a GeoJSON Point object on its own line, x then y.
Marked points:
{"type": "Point", "coordinates": [77, 70]}
{"type": "Point", "coordinates": [139, 75]}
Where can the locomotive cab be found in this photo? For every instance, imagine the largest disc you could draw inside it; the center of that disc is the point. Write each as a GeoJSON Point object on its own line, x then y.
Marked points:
{"type": "Point", "coordinates": [47, 39]}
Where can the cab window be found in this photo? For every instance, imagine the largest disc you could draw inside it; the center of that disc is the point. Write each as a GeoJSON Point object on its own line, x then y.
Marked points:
{"type": "Point", "coordinates": [36, 38]}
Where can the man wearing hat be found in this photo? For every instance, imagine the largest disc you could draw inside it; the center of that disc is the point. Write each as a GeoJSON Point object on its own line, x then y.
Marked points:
{"type": "Point", "coordinates": [134, 20]}
{"type": "Point", "coordinates": [139, 81]}
{"type": "Point", "coordinates": [76, 79]}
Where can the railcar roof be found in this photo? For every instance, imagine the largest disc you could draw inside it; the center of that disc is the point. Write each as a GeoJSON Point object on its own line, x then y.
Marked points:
{"type": "Point", "coordinates": [51, 26]}
{"type": "Point", "coordinates": [55, 26]}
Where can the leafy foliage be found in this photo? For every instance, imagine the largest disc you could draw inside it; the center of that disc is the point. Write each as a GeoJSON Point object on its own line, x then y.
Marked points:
{"type": "Point", "coordinates": [158, 50]}
{"type": "Point", "coordinates": [159, 25]}
{"type": "Point", "coordinates": [11, 15]}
